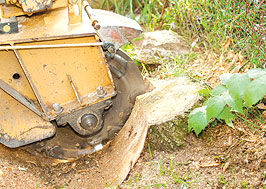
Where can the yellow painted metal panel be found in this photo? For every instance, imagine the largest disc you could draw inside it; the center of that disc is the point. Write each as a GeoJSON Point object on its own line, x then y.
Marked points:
{"type": "Point", "coordinates": [9, 66]}
{"type": "Point", "coordinates": [48, 70]}
{"type": "Point", "coordinates": [19, 125]}
{"type": "Point", "coordinates": [46, 26]}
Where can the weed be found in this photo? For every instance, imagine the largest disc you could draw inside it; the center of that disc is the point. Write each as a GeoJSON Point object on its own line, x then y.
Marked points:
{"type": "Point", "coordinates": [244, 184]}
{"type": "Point", "coordinates": [160, 166]}
{"type": "Point", "coordinates": [221, 177]}
{"type": "Point", "coordinates": [228, 98]}
{"type": "Point", "coordinates": [169, 171]}
{"type": "Point", "coordinates": [151, 159]}
{"type": "Point", "coordinates": [155, 186]}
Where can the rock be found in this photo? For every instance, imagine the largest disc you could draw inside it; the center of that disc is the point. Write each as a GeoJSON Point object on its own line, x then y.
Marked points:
{"type": "Point", "coordinates": [160, 45]}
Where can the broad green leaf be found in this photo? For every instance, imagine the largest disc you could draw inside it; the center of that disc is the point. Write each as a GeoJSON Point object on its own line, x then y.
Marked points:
{"type": "Point", "coordinates": [237, 85]}
{"type": "Point", "coordinates": [225, 78]}
{"type": "Point", "coordinates": [215, 106]}
{"type": "Point", "coordinates": [197, 120]}
{"type": "Point", "coordinates": [226, 114]}
{"type": "Point", "coordinates": [255, 91]}
{"type": "Point", "coordinates": [229, 123]}
{"type": "Point", "coordinates": [234, 104]}
{"type": "Point", "coordinates": [256, 73]}
{"type": "Point", "coordinates": [219, 90]}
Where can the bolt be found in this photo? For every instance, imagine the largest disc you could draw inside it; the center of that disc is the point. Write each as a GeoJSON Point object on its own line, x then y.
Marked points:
{"type": "Point", "coordinates": [88, 121]}
{"type": "Point", "coordinates": [108, 104]}
{"type": "Point", "coordinates": [100, 92]}
{"type": "Point", "coordinates": [6, 137]}
{"type": "Point", "coordinates": [57, 108]}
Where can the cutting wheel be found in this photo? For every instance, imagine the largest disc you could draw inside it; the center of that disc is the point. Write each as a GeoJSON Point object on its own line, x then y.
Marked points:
{"type": "Point", "coordinates": [68, 144]}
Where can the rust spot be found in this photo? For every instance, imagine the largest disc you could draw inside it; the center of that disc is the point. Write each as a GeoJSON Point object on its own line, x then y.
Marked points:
{"type": "Point", "coordinates": [115, 35]}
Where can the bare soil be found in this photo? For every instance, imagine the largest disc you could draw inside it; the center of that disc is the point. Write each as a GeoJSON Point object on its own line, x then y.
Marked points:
{"type": "Point", "coordinates": [221, 157]}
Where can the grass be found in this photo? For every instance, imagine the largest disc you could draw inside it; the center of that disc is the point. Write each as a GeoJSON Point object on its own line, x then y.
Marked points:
{"type": "Point", "coordinates": [208, 22]}
{"type": "Point", "coordinates": [165, 173]}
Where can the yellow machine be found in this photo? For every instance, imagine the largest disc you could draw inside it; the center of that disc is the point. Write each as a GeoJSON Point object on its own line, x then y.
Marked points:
{"type": "Point", "coordinates": [65, 86]}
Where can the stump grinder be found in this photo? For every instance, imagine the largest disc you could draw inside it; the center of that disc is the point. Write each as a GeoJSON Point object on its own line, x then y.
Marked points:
{"type": "Point", "coordinates": [66, 87]}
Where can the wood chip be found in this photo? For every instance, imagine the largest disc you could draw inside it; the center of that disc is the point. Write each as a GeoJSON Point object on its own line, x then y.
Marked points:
{"type": "Point", "coordinates": [261, 106]}
{"type": "Point", "coordinates": [230, 55]}
{"type": "Point", "coordinates": [241, 57]}
{"type": "Point", "coordinates": [1, 173]}
{"type": "Point", "coordinates": [252, 140]}
{"type": "Point", "coordinates": [222, 59]}
{"type": "Point", "coordinates": [226, 44]}
{"type": "Point", "coordinates": [84, 170]}
{"type": "Point", "coordinates": [230, 141]}
{"type": "Point", "coordinates": [226, 166]}
{"type": "Point", "coordinates": [197, 165]}
{"type": "Point", "coordinates": [213, 164]}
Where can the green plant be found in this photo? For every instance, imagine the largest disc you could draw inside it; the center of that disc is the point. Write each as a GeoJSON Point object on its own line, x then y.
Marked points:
{"type": "Point", "coordinates": [221, 177]}
{"type": "Point", "coordinates": [238, 92]}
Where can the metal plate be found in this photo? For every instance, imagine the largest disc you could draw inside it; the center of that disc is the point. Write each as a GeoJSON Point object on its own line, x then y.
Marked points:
{"type": "Point", "coordinates": [116, 29]}
{"type": "Point", "coordinates": [20, 126]}
{"type": "Point", "coordinates": [48, 70]}
{"type": "Point", "coordinates": [48, 25]}
{"type": "Point", "coordinates": [9, 67]}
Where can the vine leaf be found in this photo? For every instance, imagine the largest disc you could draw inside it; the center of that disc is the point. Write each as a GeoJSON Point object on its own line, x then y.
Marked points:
{"type": "Point", "coordinates": [227, 116]}
{"type": "Point", "coordinates": [215, 106]}
{"type": "Point", "coordinates": [255, 91]}
{"type": "Point", "coordinates": [234, 104]}
{"type": "Point", "coordinates": [225, 78]}
{"type": "Point", "coordinates": [237, 85]}
{"type": "Point", "coordinates": [219, 90]}
{"type": "Point", "coordinates": [197, 120]}
{"type": "Point", "coordinates": [256, 73]}
{"type": "Point", "coordinates": [228, 97]}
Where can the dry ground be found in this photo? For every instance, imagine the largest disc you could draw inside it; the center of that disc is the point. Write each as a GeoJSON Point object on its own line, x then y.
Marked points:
{"type": "Point", "coordinates": [221, 157]}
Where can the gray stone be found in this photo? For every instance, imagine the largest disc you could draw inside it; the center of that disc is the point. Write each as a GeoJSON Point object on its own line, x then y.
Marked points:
{"type": "Point", "coordinates": [160, 45]}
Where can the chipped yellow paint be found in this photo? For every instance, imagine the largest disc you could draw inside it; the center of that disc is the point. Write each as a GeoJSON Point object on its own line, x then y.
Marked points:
{"type": "Point", "coordinates": [18, 122]}
{"type": "Point", "coordinates": [9, 66]}
{"type": "Point", "coordinates": [48, 70]}
{"type": "Point", "coordinates": [74, 12]}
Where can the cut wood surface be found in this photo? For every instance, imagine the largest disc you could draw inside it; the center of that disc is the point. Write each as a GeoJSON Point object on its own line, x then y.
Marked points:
{"type": "Point", "coordinates": [169, 99]}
